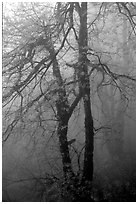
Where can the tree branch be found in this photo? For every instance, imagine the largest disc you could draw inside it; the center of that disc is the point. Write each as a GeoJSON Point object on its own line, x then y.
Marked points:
{"type": "Point", "coordinates": [74, 104]}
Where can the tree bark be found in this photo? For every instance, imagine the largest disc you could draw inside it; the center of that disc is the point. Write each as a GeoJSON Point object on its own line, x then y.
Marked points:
{"type": "Point", "coordinates": [84, 87]}
{"type": "Point", "coordinates": [62, 107]}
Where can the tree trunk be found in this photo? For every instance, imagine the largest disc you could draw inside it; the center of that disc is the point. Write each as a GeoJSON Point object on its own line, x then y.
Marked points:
{"type": "Point", "coordinates": [64, 150]}
{"type": "Point", "coordinates": [62, 107]}
{"type": "Point", "coordinates": [77, 191]}
{"type": "Point", "coordinates": [84, 86]}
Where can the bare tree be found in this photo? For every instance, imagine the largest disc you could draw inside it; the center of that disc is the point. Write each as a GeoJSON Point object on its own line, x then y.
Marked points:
{"type": "Point", "coordinates": [38, 77]}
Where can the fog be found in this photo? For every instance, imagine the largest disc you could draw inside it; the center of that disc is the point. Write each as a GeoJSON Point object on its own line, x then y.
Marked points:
{"type": "Point", "coordinates": [26, 160]}
{"type": "Point", "coordinates": [69, 81]}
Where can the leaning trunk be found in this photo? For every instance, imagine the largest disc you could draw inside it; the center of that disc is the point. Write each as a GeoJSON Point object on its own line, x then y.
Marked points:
{"type": "Point", "coordinates": [62, 107]}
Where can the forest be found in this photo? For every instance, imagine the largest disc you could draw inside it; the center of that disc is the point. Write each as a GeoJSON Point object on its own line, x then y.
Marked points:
{"type": "Point", "coordinates": [69, 102]}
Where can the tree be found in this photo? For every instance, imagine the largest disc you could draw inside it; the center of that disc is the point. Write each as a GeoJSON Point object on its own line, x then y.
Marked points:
{"type": "Point", "coordinates": [34, 77]}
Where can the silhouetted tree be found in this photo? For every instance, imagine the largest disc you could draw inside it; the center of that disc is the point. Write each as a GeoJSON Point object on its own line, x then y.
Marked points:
{"type": "Point", "coordinates": [48, 61]}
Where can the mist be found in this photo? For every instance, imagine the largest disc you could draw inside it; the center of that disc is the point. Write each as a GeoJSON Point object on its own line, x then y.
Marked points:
{"type": "Point", "coordinates": [69, 102]}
